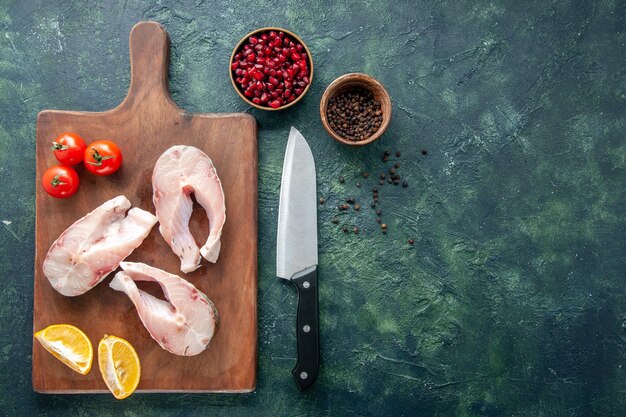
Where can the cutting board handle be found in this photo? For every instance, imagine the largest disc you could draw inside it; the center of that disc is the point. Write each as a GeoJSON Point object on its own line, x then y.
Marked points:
{"type": "Point", "coordinates": [149, 61]}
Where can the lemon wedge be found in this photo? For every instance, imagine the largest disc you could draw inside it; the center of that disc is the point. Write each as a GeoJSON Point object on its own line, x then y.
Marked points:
{"type": "Point", "coordinates": [119, 366]}
{"type": "Point", "coordinates": [69, 344]}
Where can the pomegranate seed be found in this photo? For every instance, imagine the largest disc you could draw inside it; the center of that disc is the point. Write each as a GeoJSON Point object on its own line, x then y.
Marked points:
{"type": "Point", "coordinates": [251, 57]}
{"type": "Point", "coordinates": [286, 40]}
{"type": "Point", "coordinates": [261, 60]}
{"type": "Point", "coordinates": [264, 97]}
{"type": "Point", "coordinates": [237, 56]}
{"type": "Point", "coordinates": [256, 100]}
{"type": "Point", "coordinates": [301, 83]}
{"type": "Point", "coordinates": [248, 93]}
{"type": "Point", "coordinates": [274, 81]}
{"type": "Point", "coordinates": [281, 34]}
{"type": "Point", "coordinates": [268, 52]}
{"type": "Point", "coordinates": [296, 56]}
{"type": "Point", "coordinates": [299, 91]}
{"type": "Point", "coordinates": [258, 75]}
{"type": "Point", "coordinates": [282, 58]}
{"type": "Point", "coordinates": [259, 85]}
{"type": "Point", "coordinates": [253, 40]}
{"type": "Point", "coordinates": [305, 80]}
{"type": "Point", "coordinates": [270, 87]}
{"type": "Point", "coordinates": [246, 48]}
{"type": "Point", "coordinates": [274, 104]}
{"type": "Point", "coordinates": [287, 93]}
{"type": "Point", "coordinates": [299, 47]}
{"type": "Point", "coordinates": [238, 72]}
{"type": "Point", "coordinates": [274, 94]}
{"type": "Point", "coordinates": [277, 42]}
{"type": "Point", "coordinates": [272, 34]}
{"type": "Point", "coordinates": [257, 93]}
{"type": "Point", "coordinates": [258, 47]}
{"type": "Point", "coordinates": [264, 36]}
{"type": "Point", "coordinates": [266, 71]}
{"type": "Point", "coordinates": [258, 66]}
{"type": "Point", "coordinates": [288, 84]}
{"type": "Point", "coordinates": [272, 72]}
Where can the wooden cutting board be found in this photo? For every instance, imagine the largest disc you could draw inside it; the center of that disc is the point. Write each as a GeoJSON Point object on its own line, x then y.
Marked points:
{"type": "Point", "coordinates": [144, 125]}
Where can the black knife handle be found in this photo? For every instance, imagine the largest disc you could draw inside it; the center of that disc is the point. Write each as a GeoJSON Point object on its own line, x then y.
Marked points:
{"type": "Point", "coordinates": [307, 331]}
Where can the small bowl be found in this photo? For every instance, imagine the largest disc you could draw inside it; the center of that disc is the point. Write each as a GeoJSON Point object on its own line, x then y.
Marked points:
{"type": "Point", "coordinates": [349, 82]}
{"type": "Point", "coordinates": [259, 32]}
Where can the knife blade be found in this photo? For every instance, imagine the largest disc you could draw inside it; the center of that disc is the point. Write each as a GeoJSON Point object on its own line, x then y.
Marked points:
{"type": "Point", "coordinates": [296, 251]}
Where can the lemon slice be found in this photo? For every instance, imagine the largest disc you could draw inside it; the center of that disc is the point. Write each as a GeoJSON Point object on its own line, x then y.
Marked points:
{"type": "Point", "coordinates": [119, 366]}
{"type": "Point", "coordinates": [68, 344]}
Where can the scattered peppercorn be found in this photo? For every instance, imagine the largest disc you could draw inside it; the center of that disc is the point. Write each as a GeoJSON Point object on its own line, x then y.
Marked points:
{"type": "Point", "coordinates": [397, 165]}
{"type": "Point", "coordinates": [396, 182]}
{"type": "Point", "coordinates": [405, 184]}
{"type": "Point", "coordinates": [358, 185]}
{"type": "Point", "coordinates": [411, 241]}
{"type": "Point", "coordinates": [382, 175]}
{"type": "Point", "coordinates": [335, 220]}
{"type": "Point", "coordinates": [389, 180]}
{"type": "Point", "coordinates": [379, 212]}
{"type": "Point", "coordinates": [344, 207]}
{"type": "Point", "coordinates": [383, 226]}
{"type": "Point", "coordinates": [365, 174]}
{"type": "Point", "coordinates": [398, 154]}
{"type": "Point", "coordinates": [357, 207]}
{"type": "Point", "coordinates": [351, 200]}
{"type": "Point", "coordinates": [374, 190]}
{"type": "Point", "coordinates": [354, 114]}
{"type": "Point", "coordinates": [342, 180]}
{"type": "Point", "coordinates": [373, 205]}
{"type": "Point", "coordinates": [378, 220]}
{"type": "Point", "coordinates": [382, 182]}
{"type": "Point", "coordinates": [355, 230]}
{"type": "Point", "coordinates": [385, 159]}
{"type": "Point", "coordinates": [387, 153]}
{"type": "Point", "coordinates": [424, 152]}
{"type": "Point", "coordinates": [322, 200]}
{"type": "Point", "coordinates": [392, 171]}
{"type": "Point", "coordinates": [344, 229]}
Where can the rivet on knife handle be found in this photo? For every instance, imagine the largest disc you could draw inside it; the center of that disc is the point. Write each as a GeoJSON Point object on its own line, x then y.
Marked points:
{"type": "Point", "coordinates": [307, 333]}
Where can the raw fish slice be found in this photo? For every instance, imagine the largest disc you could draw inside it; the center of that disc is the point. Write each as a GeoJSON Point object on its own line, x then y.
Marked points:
{"type": "Point", "coordinates": [94, 246]}
{"type": "Point", "coordinates": [185, 324]}
{"type": "Point", "coordinates": [180, 171]}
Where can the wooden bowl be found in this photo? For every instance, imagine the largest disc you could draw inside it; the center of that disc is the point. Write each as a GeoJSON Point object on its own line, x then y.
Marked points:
{"type": "Point", "coordinates": [260, 32]}
{"type": "Point", "coordinates": [349, 82]}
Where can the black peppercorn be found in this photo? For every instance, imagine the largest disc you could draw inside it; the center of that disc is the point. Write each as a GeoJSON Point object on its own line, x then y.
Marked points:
{"type": "Point", "coordinates": [322, 200]}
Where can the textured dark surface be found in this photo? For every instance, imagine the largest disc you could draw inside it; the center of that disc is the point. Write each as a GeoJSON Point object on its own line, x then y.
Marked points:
{"type": "Point", "coordinates": [511, 301]}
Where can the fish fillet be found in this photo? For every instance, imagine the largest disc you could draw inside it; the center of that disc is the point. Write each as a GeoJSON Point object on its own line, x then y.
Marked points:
{"type": "Point", "coordinates": [94, 246]}
{"type": "Point", "coordinates": [180, 171]}
{"type": "Point", "coordinates": [184, 324]}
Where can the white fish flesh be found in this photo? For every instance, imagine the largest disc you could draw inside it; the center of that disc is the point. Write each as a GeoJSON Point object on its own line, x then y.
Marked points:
{"type": "Point", "coordinates": [94, 246]}
{"type": "Point", "coordinates": [184, 324]}
{"type": "Point", "coordinates": [180, 171]}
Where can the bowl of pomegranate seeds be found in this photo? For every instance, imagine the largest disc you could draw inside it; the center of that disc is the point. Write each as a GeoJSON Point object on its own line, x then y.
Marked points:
{"type": "Point", "coordinates": [271, 68]}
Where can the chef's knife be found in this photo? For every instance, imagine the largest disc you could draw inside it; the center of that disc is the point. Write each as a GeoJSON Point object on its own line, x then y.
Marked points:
{"type": "Point", "coordinates": [296, 250]}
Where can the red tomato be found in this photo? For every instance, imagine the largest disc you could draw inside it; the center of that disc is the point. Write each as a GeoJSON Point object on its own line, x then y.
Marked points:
{"type": "Point", "coordinates": [60, 181]}
{"type": "Point", "coordinates": [103, 157]}
{"type": "Point", "coordinates": [69, 148]}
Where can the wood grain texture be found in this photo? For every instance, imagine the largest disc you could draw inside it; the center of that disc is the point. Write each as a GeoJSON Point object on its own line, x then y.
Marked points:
{"type": "Point", "coordinates": [145, 124]}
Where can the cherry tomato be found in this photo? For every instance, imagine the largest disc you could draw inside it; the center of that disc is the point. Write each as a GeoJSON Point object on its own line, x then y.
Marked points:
{"type": "Point", "coordinates": [103, 157]}
{"type": "Point", "coordinates": [60, 181]}
{"type": "Point", "coordinates": [69, 148]}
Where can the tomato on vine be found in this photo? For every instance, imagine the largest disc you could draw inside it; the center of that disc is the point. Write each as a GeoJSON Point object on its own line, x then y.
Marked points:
{"type": "Point", "coordinates": [102, 157]}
